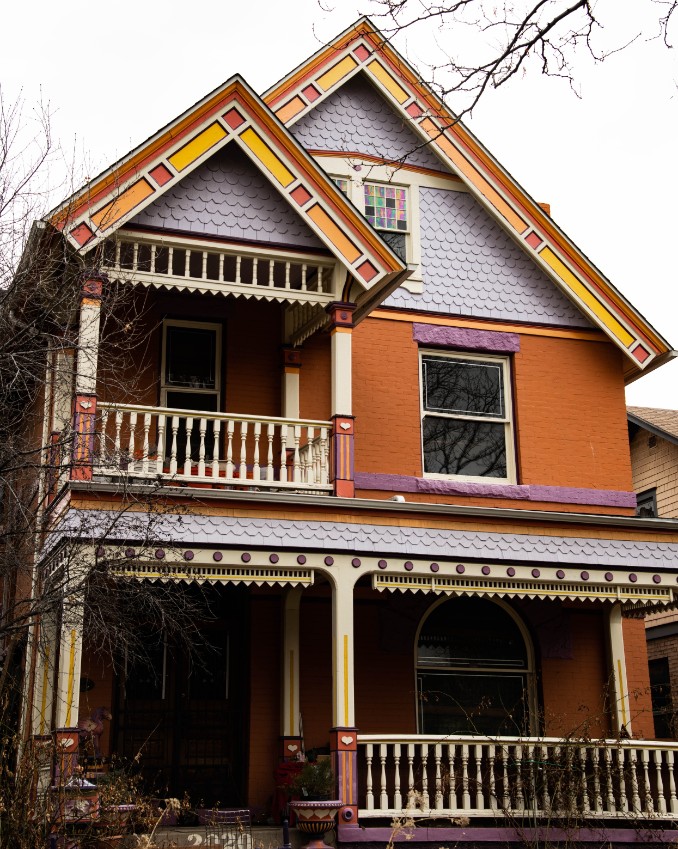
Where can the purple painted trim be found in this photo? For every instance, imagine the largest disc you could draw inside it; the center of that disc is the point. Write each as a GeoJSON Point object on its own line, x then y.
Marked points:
{"type": "Point", "coordinates": [492, 341]}
{"type": "Point", "coordinates": [597, 836]}
{"type": "Point", "coordinates": [522, 492]}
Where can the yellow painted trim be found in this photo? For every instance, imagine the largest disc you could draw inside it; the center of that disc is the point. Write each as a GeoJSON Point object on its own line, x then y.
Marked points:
{"type": "Point", "coordinates": [591, 301]}
{"type": "Point", "coordinates": [340, 241]}
{"type": "Point", "coordinates": [291, 692]}
{"type": "Point", "coordinates": [71, 677]}
{"type": "Point", "coordinates": [43, 701]}
{"type": "Point", "coordinates": [444, 321]}
{"type": "Point", "coordinates": [346, 679]}
{"type": "Point", "coordinates": [267, 158]}
{"type": "Point", "coordinates": [380, 72]}
{"type": "Point", "coordinates": [197, 146]}
{"type": "Point", "coordinates": [336, 72]}
{"type": "Point", "coordinates": [621, 690]}
{"type": "Point", "coordinates": [115, 209]}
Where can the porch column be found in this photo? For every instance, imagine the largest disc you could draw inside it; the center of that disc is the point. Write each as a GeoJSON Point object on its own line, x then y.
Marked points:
{"type": "Point", "coordinates": [67, 685]}
{"type": "Point", "coordinates": [85, 406]}
{"type": "Point", "coordinates": [620, 692]}
{"type": "Point", "coordinates": [62, 401]}
{"type": "Point", "coordinates": [290, 737]}
{"type": "Point", "coordinates": [41, 699]}
{"type": "Point", "coordinates": [290, 382]}
{"type": "Point", "coordinates": [341, 460]}
{"type": "Point", "coordinates": [343, 736]}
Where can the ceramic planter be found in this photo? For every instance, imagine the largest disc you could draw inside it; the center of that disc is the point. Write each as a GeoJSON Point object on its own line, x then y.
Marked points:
{"type": "Point", "coordinates": [316, 818]}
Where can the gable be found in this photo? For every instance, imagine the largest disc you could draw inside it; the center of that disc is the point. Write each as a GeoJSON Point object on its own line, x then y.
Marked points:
{"type": "Point", "coordinates": [363, 49]}
{"type": "Point", "coordinates": [355, 118]}
{"type": "Point", "coordinates": [227, 197]}
{"type": "Point", "coordinates": [471, 267]}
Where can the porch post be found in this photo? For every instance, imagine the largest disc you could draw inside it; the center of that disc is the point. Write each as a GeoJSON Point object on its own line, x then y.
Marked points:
{"type": "Point", "coordinates": [290, 737]}
{"type": "Point", "coordinates": [343, 736]}
{"type": "Point", "coordinates": [42, 697]}
{"type": "Point", "coordinates": [62, 401]}
{"type": "Point", "coordinates": [85, 406]}
{"type": "Point", "coordinates": [619, 697]}
{"type": "Point", "coordinates": [67, 686]}
{"type": "Point", "coordinates": [341, 462]}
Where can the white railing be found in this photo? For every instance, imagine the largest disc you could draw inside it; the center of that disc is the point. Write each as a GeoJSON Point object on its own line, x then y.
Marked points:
{"type": "Point", "coordinates": [211, 266]}
{"type": "Point", "coordinates": [222, 449]}
{"type": "Point", "coordinates": [540, 777]}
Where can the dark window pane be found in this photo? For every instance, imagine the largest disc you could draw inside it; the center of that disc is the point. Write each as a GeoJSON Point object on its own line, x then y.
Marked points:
{"type": "Point", "coordinates": [468, 703]}
{"type": "Point", "coordinates": [397, 243]}
{"type": "Point", "coordinates": [455, 386]}
{"type": "Point", "coordinates": [455, 447]}
{"type": "Point", "coordinates": [646, 504]}
{"type": "Point", "coordinates": [471, 632]}
{"type": "Point", "coordinates": [191, 357]}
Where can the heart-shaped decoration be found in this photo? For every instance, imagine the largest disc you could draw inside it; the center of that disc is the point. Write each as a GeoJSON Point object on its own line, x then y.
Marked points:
{"type": "Point", "coordinates": [345, 425]}
{"type": "Point", "coordinates": [86, 404]}
{"type": "Point", "coordinates": [66, 742]}
{"type": "Point", "coordinates": [292, 747]}
{"type": "Point", "coordinates": [347, 740]}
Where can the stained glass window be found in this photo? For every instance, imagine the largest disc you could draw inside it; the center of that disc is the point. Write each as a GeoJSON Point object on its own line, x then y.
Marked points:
{"type": "Point", "coordinates": [386, 207]}
{"type": "Point", "coordinates": [342, 184]}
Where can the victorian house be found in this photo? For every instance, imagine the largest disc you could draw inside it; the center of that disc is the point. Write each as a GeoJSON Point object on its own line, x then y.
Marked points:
{"type": "Point", "coordinates": [380, 399]}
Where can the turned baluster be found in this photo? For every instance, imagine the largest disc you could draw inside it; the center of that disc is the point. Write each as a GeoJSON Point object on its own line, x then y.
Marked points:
{"type": "Point", "coordinates": [215, 448]}
{"type": "Point", "coordinates": [173, 445]}
{"type": "Point", "coordinates": [256, 469]}
{"type": "Point", "coordinates": [201, 449]}
{"type": "Point", "coordinates": [243, 451]}
{"type": "Point", "coordinates": [146, 446]}
{"type": "Point", "coordinates": [189, 448]}
{"type": "Point", "coordinates": [369, 795]}
{"type": "Point", "coordinates": [230, 466]}
{"type": "Point", "coordinates": [383, 795]}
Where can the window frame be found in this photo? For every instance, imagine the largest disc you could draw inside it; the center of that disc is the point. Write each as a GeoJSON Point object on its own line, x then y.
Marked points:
{"type": "Point", "coordinates": [165, 387]}
{"type": "Point", "coordinates": [507, 420]}
{"type": "Point", "coordinates": [647, 498]}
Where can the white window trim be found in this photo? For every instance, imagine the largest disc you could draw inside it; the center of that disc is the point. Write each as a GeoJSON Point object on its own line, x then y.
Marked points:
{"type": "Point", "coordinates": [358, 171]}
{"type": "Point", "coordinates": [167, 387]}
{"type": "Point", "coordinates": [507, 420]}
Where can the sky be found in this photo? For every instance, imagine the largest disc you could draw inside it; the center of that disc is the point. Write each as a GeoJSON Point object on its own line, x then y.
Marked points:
{"type": "Point", "coordinates": [605, 161]}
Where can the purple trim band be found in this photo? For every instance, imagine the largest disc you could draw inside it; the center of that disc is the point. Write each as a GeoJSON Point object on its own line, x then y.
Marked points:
{"type": "Point", "coordinates": [492, 341]}
{"type": "Point", "coordinates": [522, 492]}
{"type": "Point", "coordinates": [596, 836]}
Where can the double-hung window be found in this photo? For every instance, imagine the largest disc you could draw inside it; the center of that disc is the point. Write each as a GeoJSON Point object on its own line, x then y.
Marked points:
{"type": "Point", "coordinates": [387, 208]}
{"type": "Point", "coordinates": [466, 416]}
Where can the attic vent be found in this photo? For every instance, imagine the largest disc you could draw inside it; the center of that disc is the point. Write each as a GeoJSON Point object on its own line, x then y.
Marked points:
{"type": "Point", "coordinates": [652, 441]}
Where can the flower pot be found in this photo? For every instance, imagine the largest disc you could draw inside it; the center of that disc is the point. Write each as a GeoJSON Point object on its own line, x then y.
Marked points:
{"type": "Point", "coordinates": [316, 818]}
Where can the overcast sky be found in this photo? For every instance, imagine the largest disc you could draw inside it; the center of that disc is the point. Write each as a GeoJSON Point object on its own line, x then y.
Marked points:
{"type": "Point", "coordinates": [606, 163]}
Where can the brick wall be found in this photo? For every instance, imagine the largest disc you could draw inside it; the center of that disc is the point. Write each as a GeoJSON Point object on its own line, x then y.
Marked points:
{"type": "Point", "coordinates": [264, 701]}
{"type": "Point", "coordinates": [570, 414]}
{"type": "Point", "coordinates": [656, 467]}
{"type": "Point", "coordinates": [638, 675]}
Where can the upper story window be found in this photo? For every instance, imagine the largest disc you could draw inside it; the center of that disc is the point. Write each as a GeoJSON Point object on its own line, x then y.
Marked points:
{"type": "Point", "coordinates": [646, 504]}
{"type": "Point", "coordinates": [466, 416]}
{"type": "Point", "coordinates": [387, 208]}
{"type": "Point", "coordinates": [191, 365]}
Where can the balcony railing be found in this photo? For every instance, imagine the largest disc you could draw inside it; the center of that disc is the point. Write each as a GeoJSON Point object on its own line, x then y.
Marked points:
{"type": "Point", "coordinates": [219, 449]}
{"type": "Point", "coordinates": [541, 777]}
{"type": "Point", "coordinates": [214, 267]}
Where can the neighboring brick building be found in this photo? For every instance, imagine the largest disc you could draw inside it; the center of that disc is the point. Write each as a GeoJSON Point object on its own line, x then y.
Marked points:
{"type": "Point", "coordinates": [380, 411]}
{"type": "Point", "coordinates": [653, 435]}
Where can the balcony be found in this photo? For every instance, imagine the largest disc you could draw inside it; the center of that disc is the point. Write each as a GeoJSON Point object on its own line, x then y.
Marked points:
{"type": "Point", "coordinates": [540, 778]}
{"type": "Point", "coordinates": [220, 450]}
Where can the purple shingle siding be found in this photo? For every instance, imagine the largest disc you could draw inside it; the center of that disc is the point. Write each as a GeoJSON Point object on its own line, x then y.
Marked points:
{"type": "Point", "coordinates": [471, 267]}
{"type": "Point", "coordinates": [228, 197]}
{"type": "Point", "coordinates": [340, 537]}
{"type": "Point", "coordinates": [357, 119]}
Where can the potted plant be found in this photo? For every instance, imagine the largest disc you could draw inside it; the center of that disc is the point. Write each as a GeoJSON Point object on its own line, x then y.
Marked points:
{"type": "Point", "coordinates": [316, 811]}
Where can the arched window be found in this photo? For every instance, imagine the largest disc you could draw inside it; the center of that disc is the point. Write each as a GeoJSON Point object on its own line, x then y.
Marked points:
{"type": "Point", "coordinates": [475, 670]}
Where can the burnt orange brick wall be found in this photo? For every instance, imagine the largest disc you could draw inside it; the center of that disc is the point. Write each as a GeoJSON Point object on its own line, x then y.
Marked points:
{"type": "Point", "coordinates": [570, 414]}
{"type": "Point", "coordinates": [386, 398]}
{"type": "Point", "coordinates": [315, 384]}
{"type": "Point", "coordinates": [264, 702]}
{"type": "Point", "coordinates": [315, 667]}
{"type": "Point", "coordinates": [638, 674]}
{"type": "Point", "coordinates": [574, 688]}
